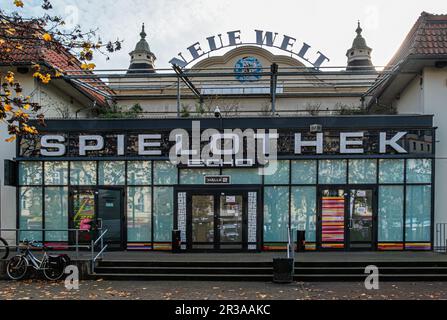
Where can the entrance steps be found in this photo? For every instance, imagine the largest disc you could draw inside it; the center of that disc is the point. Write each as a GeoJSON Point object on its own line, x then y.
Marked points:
{"type": "Point", "coordinates": [263, 271]}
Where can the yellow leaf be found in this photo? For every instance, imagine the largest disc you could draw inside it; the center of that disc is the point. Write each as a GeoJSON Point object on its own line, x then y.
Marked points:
{"type": "Point", "coordinates": [47, 37]}
{"type": "Point", "coordinates": [2, 41]}
{"type": "Point", "coordinates": [10, 139]}
{"type": "Point", "coordinates": [45, 79]}
{"type": "Point", "coordinates": [18, 3]}
{"type": "Point", "coordinates": [26, 107]}
{"type": "Point", "coordinates": [88, 66]}
{"type": "Point", "coordinates": [9, 77]}
{"type": "Point", "coordinates": [7, 107]}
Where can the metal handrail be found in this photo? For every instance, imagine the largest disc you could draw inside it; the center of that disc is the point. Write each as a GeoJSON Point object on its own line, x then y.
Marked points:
{"type": "Point", "coordinates": [103, 248]}
{"type": "Point", "coordinates": [77, 246]}
{"type": "Point", "coordinates": [289, 243]}
{"type": "Point", "coordinates": [440, 244]}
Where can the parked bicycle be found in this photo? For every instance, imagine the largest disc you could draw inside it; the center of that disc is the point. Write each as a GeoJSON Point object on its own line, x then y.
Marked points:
{"type": "Point", "coordinates": [52, 266]}
{"type": "Point", "coordinates": [4, 249]}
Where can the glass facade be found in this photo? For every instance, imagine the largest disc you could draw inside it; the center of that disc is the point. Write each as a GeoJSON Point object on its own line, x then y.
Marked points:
{"type": "Point", "coordinates": [290, 195]}
{"type": "Point", "coordinates": [332, 172]}
{"type": "Point", "coordinates": [418, 217]}
{"type": "Point", "coordinates": [391, 213]}
{"type": "Point", "coordinates": [276, 214]}
{"type": "Point", "coordinates": [362, 171]}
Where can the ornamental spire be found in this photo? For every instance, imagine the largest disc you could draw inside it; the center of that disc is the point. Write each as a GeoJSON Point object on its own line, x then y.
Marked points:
{"type": "Point", "coordinates": [359, 56]}
{"type": "Point", "coordinates": [359, 29]}
{"type": "Point", "coordinates": [143, 33]}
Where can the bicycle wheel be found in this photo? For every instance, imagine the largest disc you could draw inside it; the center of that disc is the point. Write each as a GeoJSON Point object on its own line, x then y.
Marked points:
{"type": "Point", "coordinates": [17, 267]}
{"type": "Point", "coordinates": [4, 249]}
{"type": "Point", "coordinates": [53, 273]}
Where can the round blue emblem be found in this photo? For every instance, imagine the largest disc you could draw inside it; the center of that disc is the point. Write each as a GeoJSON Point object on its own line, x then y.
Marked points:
{"type": "Point", "coordinates": [248, 69]}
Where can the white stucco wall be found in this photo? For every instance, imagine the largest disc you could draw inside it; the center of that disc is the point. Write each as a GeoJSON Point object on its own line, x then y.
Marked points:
{"type": "Point", "coordinates": [430, 97]}
{"type": "Point", "coordinates": [54, 102]}
{"type": "Point", "coordinates": [435, 102]}
{"type": "Point", "coordinates": [411, 100]}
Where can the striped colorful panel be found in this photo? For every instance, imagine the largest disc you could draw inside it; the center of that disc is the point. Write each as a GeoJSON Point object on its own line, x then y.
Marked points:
{"type": "Point", "coordinates": [311, 246]}
{"type": "Point", "coordinates": [139, 246]}
{"type": "Point", "coordinates": [57, 245]}
{"type": "Point", "coordinates": [162, 246]}
{"type": "Point", "coordinates": [332, 245]}
{"type": "Point", "coordinates": [418, 246]}
{"type": "Point", "coordinates": [333, 220]}
{"type": "Point", "coordinates": [274, 246]}
{"type": "Point", "coordinates": [390, 246]}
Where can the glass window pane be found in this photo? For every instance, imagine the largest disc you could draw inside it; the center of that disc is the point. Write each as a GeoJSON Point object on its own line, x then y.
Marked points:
{"type": "Point", "coordinates": [83, 173]}
{"type": "Point", "coordinates": [111, 173]}
{"type": "Point", "coordinates": [391, 213]}
{"type": "Point", "coordinates": [276, 213]}
{"type": "Point", "coordinates": [332, 172]}
{"type": "Point", "coordinates": [196, 176]}
{"type": "Point", "coordinates": [278, 176]}
{"type": "Point", "coordinates": [139, 172]}
{"type": "Point", "coordinates": [165, 173]}
{"type": "Point", "coordinates": [304, 208]}
{"type": "Point", "coordinates": [30, 173]}
{"type": "Point", "coordinates": [56, 213]}
{"type": "Point", "coordinates": [419, 171]}
{"type": "Point", "coordinates": [30, 211]}
{"type": "Point", "coordinates": [363, 171]}
{"type": "Point", "coordinates": [418, 214]}
{"type": "Point", "coordinates": [243, 176]}
{"type": "Point", "coordinates": [56, 173]}
{"type": "Point", "coordinates": [139, 214]}
{"type": "Point", "coordinates": [391, 171]}
{"type": "Point", "coordinates": [304, 172]}
{"type": "Point", "coordinates": [163, 213]}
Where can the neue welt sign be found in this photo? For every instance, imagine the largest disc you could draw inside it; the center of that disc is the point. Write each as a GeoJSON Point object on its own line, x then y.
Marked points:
{"type": "Point", "coordinates": [235, 38]}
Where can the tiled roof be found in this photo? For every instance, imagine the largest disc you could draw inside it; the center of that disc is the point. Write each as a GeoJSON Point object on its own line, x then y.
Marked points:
{"type": "Point", "coordinates": [56, 56]}
{"type": "Point", "coordinates": [427, 37]}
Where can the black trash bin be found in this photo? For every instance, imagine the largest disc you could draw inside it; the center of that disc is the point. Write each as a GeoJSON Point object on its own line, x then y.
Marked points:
{"type": "Point", "coordinates": [176, 241]}
{"type": "Point", "coordinates": [300, 241]}
{"type": "Point", "coordinates": [283, 270]}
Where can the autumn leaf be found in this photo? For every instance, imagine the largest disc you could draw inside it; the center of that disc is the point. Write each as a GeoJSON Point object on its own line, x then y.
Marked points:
{"type": "Point", "coordinates": [18, 3]}
{"type": "Point", "coordinates": [47, 37]}
{"type": "Point", "coordinates": [26, 106]}
{"type": "Point", "coordinates": [7, 107]}
{"type": "Point", "coordinates": [9, 77]}
{"type": "Point", "coordinates": [10, 139]}
{"type": "Point", "coordinates": [88, 66]}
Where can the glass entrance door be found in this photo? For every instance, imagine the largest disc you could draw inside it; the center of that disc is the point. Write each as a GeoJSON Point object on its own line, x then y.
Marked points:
{"type": "Point", "coordinates": [218, 221]}
{"type": "Point", "coordinates": [360, 218]}
{"type": "Point", "coordinates": [110, 214]}
{"type": "Point", "coordinates": [203, 221]}
{"type": "Point", "coordinates": [346, 218]}
{"type": "Point", "coordinates": [90, 206]}
{"type": "Point", "coordinates": [82, 214]}
{"type": "Point", "coordinates": [230, 221]}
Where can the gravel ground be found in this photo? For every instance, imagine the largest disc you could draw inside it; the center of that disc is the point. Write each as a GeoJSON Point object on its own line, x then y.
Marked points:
{"type": "Point", "coordinates": [158, 290]}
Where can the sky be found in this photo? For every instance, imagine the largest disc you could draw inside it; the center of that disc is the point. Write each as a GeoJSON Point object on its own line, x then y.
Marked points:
{"type": "Point", "coordinates": [173, 25]}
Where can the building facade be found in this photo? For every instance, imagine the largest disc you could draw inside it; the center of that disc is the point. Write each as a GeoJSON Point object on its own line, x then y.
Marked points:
{"type": "Point", "coordinates": [240, 149]}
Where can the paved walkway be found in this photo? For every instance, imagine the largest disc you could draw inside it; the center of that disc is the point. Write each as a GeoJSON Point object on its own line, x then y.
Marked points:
{"type": "Point", "coordinates": [157, 256]}
{"type": "Point", "coordinates": [190, 290]}
{"type": "Point", "coordinates": [268, 256]}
